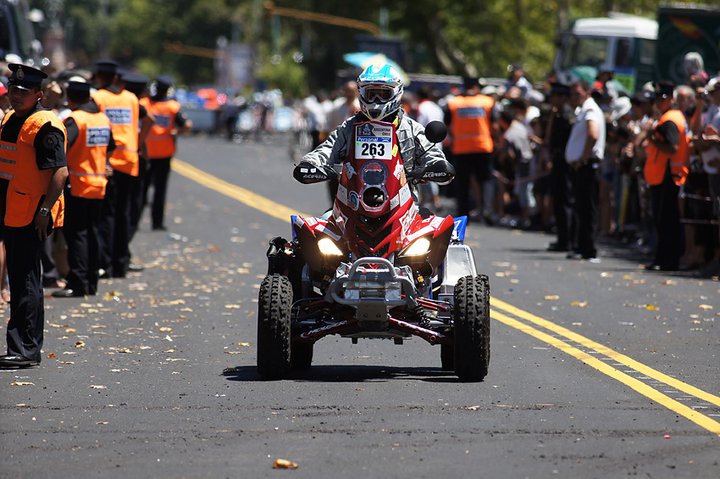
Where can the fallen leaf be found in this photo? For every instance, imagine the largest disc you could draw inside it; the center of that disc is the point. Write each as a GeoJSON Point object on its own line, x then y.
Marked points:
{"type": "Point", "coordinates": [651, 307]}
{"type": "Point", "coordinates": [102, 423]}
{"type": "Point", "coordinates": [579, 304]}
{"type": "Point", "coordinates": [243, 344]}
{"type": "Point", "coordinates": [97, 386]}
{"type": "Point", "coordinates": [22, 383]}
{"type": "Point", "coordinates": [669, 282]}
{"type": "Point", "coordinates": [284, 464]}
{"type": "Point", "coordinates": [54, 325]}
{"type": "Point", "coordinates": [165, 329]}
{"type": "Point", "coordinates": [66, 362]}
{"type": "Point", "coordinates": [705, 307]}
{"type": "Point", "coordinates": [232, 306]}
{"type": "Point", "coordinates": [124, 350]}
{"type": "Point", "coordinates": [472, 408]}
{"type": "Point", "coordinates": [79, 344]}
{"type": "Point", "coordinates": [112, 296]}
{"type": "Point", "coordinates": [233, 352]}
{"type": "Point", "coordinates": [52, 356]}
{"type": "Point", "coordinates": [70, 330]}
{"type": "Point", "coordinates": [551, 297]}
{"type": "Point", "coordinates": [213, 248]}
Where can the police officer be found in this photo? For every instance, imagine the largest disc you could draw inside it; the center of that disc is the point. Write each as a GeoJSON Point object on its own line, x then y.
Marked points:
{"type": "Point", "coordinates": [32, 176]}
{"type": "Point", "coordinates": [137, 83]}
{"type": "Point", "coordinates": [90, 144]}
{"type": "Point", "coordinates": [667, 150]}
{"type": "Point", "coordinates": [123, 110]}
{"type": "Point", "coordinates": [472, 126]}
{"type": "Point", "coordinates": [169, 121]}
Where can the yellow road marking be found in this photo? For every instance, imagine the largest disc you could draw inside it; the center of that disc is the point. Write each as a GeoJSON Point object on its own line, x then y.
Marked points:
{"type": "Point", "coordinates": [282, 212]}
{"type": "Point", "coordinates": [639, 386]}
{"type": "Point", "coordinates": [606, 351]}
{"type": "Point", "coordinates": [254, 200]}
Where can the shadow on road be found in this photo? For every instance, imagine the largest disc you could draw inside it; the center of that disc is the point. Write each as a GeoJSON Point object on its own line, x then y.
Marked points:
{"type": "Point", "coordinates": [348, 374]}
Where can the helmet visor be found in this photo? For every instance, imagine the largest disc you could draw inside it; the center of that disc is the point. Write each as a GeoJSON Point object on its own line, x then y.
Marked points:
{"type": "Point", "coordinates": [377, 93]}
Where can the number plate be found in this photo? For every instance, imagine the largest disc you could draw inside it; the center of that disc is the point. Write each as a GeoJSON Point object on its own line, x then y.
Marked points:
{"type": "Point", "coordinates": [373, 142]}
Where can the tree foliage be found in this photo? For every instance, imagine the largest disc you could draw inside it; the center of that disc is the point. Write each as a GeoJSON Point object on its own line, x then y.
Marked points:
{"type": "Point", "coordinates": [441, 36]}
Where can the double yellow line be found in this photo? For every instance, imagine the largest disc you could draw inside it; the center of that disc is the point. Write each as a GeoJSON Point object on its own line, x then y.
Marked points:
{"type": "Point", "coordinates": [574, 344]}
{"type": "Point", "coordinates": [586, 347]}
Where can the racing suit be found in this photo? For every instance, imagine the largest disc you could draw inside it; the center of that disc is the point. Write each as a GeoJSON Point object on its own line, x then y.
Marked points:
{"type": "Point", "coordinates": [415, 149]}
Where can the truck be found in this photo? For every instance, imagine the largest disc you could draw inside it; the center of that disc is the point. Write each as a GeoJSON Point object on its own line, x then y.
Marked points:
{"type": "Point", "coordinates": [638, 49]}
{"type": "Point", "coordinates": [17, 37]}
{"type": "Point", "coordinates": [682, 30]}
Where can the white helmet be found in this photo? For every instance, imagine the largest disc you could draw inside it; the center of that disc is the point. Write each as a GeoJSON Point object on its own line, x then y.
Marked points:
{"type": "Point", "coordinates": [380, 89]}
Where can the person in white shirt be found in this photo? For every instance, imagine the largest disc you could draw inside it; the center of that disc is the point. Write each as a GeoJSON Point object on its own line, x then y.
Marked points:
{"type": "Point", "coordinates": [709, 145]}
{"type": "Point", "coordinates": [584, 151]}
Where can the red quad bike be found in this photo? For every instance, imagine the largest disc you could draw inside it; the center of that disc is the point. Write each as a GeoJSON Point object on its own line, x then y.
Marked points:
{"type": "Point", "coordinates": [374, 267]}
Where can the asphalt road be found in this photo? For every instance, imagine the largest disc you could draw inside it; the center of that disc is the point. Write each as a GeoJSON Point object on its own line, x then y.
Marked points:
{"type": "Point", "coordinates": [597, 370]}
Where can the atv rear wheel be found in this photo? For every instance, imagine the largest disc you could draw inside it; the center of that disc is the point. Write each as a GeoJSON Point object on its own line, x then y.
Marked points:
{"type": "Point", "coordinates": [471, 315]}
{"type": "Point", "coordinates": [273, 340]}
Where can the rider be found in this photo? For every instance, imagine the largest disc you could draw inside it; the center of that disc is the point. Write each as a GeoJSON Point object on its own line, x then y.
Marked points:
{"type": "Point", "coordinates": [381, 88]}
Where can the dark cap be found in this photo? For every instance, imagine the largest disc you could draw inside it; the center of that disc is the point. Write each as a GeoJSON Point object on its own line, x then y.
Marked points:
{"type": "Point", "coordinates": [664, 90]}
{"type": "Point", "coordinates": [559, 89]}
{"type": "Point", "coordinates": [106, 66]}
{"type": "Point", "coordinates": [165, 81]}
{"type": "Point", "coordinates": [470, 82]}
{"type": "Point", "coordinates": [643, 96]}
{"type": "Point", "coordinates": [134, 78]}
{"type": "Point", "coordinates": [78, 86]}
{"type": "Point", "coordinates": [514, 67]}
{"type": "Point", "coordinates": [25, 77]}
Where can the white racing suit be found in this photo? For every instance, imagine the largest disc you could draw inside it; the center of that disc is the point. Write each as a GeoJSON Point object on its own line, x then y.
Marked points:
{"type": "Point", "coordinates": [415, 149]}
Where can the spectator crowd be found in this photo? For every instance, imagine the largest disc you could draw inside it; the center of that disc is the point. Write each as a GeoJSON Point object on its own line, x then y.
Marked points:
{"type": "Point", "coordinates": [588, 161]}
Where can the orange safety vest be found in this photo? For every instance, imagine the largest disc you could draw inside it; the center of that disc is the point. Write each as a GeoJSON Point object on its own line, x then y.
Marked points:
{"type": "Point", "coordinates": [87, 157]}
{"type": "Point", "coordinates": [470, 124]}
{"type": "Point", "coordinates": [657, 160]}
{"type": "Point", "coordinates": [123, 110]}
{"type": "Point", "coordinates": [161, 139]}
{"type": "Point", "coordinates": [28, 184]}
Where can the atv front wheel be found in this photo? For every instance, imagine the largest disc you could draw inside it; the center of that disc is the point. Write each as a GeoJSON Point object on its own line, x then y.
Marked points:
{"type": "Point", "coordinates": [273, 334]}
{"type": "Point", "coordinates": [471, 315]}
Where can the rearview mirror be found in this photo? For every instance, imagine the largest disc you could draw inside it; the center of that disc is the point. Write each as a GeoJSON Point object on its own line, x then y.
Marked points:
{"type": "Point", "coordinates": [435, 131]}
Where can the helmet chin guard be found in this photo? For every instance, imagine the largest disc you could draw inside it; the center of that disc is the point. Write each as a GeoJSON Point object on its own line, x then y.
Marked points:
{"type": "Point", "coordinates": [380, 89]}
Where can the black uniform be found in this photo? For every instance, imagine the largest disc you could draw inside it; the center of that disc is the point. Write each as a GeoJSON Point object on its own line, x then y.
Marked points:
{"type": "Point", "coordinates": [157, 176]}
{"type": "Point", "coordinates": [25, 329]}
{"type": "Point", "coordinates": [116, 225]}
{"type": "Point", "coordinates": [82, 221]}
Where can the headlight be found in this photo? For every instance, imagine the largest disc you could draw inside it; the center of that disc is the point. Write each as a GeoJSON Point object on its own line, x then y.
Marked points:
{"type": "Point", "coordinates": [419, 247]}
{"type": "Point", "coordinates": [328, 247]}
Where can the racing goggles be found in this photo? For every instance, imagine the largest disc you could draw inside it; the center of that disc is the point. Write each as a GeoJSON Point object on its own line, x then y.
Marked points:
{"type": "Point", "coordinates": [377, 93]}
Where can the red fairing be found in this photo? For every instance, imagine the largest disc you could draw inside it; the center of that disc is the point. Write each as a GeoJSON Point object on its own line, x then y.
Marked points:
{"type": "Point", "coordinates": [374, 213]}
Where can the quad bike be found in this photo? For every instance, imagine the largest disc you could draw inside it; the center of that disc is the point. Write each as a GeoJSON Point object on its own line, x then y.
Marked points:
{"type": "Point", "coordinates": [374, 267]}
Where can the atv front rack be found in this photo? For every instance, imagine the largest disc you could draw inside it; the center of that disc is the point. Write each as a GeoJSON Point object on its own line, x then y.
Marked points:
{"type": "Point", "coordinates": [372, 286]}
